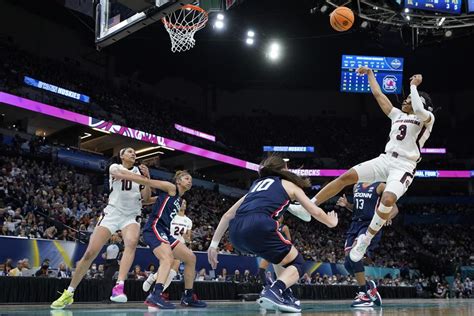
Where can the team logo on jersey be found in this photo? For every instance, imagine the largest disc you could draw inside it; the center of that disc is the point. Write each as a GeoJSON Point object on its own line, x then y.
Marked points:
{"type": "Point", "coordinates": [163, 236]}
{"type": "Point", "coordinates": [396, 63]}
{"type": "Point", "coordinates": [390, 83]}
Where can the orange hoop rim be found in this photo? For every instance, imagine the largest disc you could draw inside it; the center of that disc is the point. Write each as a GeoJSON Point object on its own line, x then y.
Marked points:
{"type": "Point", "coordinates": [184, 27]}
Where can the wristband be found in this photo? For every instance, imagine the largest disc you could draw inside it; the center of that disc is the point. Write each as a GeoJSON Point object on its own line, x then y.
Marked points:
{"type": "Point", "coordinates": [214, 244]}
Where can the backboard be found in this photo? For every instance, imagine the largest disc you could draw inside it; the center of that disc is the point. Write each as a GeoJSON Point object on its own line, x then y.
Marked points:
{"type": "Point", "coordinates": [116, 19]}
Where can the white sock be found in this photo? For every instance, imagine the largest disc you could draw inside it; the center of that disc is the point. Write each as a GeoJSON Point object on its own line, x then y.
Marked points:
{"type": "Point", "coordinates": [70, 289]}
{"type": "Point", "coordinates": [120, 282]}
{"type": "Point", "coordinates": [377, 222]}
{"type": "Point", "coordinates": [171, 276]}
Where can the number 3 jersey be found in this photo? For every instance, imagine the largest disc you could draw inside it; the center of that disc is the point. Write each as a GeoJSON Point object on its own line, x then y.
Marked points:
{"type": "Point", "coordinates": [180, 225]}
{"type": "Point", "coordinates": [124, 195]}
{"type": "Point", "coordinates": [408, 134]}
{"type": "Point", "coordinates": [266, 195]}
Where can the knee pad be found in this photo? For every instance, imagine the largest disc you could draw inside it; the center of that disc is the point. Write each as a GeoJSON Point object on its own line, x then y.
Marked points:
{"type": "Point", "coordinates": [298, 263]}
{"type": "Point", "coordinates": [348, 265]}
{"type": "Point", "coordinates": [384, 209]}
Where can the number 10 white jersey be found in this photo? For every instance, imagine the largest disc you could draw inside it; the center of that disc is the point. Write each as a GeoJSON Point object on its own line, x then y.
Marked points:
{"type": "Point", "coordinates": [408, 134]}
{"type": "Point", "coordinates": [124, 194]}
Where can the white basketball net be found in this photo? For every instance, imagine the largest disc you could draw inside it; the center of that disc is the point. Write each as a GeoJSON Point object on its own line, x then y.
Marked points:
{"type": "Point", "coordinates": [182, 24]}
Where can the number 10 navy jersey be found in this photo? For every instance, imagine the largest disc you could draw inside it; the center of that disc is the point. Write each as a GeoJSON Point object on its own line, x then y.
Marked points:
{"type": "Point", "coordinates": [266, 195]}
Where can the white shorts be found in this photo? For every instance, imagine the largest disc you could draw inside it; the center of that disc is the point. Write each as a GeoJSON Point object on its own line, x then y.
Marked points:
{"type": "Point", "coordinates": [397, 173]}
{"type": "Point", "coordinates": [113, 219]}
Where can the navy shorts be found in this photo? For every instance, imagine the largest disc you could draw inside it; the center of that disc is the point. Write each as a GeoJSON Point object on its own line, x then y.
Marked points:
{"type": "Point", "coordinates": [157, 236]}
{"type": "Point", "coordinates": [355, 230]}
{"type": "Point", "coordinates": [258, 234]}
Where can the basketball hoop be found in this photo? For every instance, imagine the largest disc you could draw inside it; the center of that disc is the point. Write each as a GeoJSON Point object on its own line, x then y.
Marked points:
{"type": "Point", "coordinates": [182, 24]}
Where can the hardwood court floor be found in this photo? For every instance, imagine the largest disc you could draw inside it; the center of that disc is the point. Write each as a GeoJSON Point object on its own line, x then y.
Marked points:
{"type": "Point", "coordinates": [406, 307]}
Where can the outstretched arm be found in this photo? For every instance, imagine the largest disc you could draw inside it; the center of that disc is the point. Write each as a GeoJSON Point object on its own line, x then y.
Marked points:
{"type": "Point", "coordinates": [328, 219]}
{"type": "Point", "coordinates": [220, 230]}
{"type": "Point", "coordinates": [381, 98]}
{"type": "Point", "coordinates": [416, 102]}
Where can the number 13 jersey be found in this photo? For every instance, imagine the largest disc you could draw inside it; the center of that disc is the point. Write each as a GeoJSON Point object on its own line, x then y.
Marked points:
{"type": "Point", "coordinates": [408, 134]}
{"type": "Point", "coordinates": [125, 195]}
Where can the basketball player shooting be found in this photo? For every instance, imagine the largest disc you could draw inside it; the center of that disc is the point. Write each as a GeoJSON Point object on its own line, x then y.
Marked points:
{"type": "Point", "coordinates": [411, 127]}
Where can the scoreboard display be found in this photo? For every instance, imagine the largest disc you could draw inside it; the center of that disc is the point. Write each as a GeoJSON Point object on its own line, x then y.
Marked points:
{"type": "Point", "coordinates": [388, 72]}
{"type": "Point", "coordinates": [447, 6]}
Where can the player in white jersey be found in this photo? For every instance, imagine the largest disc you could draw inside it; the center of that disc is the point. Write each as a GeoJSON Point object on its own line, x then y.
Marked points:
{"type": "Point", "coordinates": [181, 229]}
{"type": "Point", "coordinates": [411, 127]}
{"type": "Point", "coordinates": [124, 206]}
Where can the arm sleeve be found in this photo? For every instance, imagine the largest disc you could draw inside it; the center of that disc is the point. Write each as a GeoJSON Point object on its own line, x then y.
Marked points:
{"type": "Point", "coordinates": [394, 113]}
{"type": "Point", "coordinates": [417, 104]}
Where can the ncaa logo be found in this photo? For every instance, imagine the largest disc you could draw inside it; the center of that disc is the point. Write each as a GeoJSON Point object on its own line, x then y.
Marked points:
{"type": "Point", "coordinates": [390, 83]}
{"type": "Point", "coordinates": [395, 63]}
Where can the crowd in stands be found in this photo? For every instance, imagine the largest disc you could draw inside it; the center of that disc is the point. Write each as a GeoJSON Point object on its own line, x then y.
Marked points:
{"type": "Point", "coordinates": [45, 199]}
{"type": "Point", "coordinates": [40, 198]}
{"type": "Point", "coordinates": [339, 142]}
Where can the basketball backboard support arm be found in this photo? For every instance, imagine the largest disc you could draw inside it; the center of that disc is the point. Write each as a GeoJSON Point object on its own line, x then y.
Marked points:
{"type": "Point", "coordinates": [106, 35]}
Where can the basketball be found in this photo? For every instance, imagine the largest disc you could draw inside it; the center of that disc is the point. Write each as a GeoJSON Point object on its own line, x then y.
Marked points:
{"type": "Point", "coordinates": [342, 19]}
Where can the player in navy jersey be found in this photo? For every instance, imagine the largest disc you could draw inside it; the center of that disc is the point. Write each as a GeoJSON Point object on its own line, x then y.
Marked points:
{"type": "Point", "coordinates": [166, 248]}
{"type": "Point", "coordinates": [363, 204]}
{"type": "Point", "coordinates": [253, 228]}
{"type": "Point", "coordinates": [263, 266]}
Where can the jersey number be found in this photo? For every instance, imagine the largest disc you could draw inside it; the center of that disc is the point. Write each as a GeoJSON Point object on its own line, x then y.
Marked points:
{"type": "Point", "coordinates": [263, 185]}
{"type": "Point", "coordinates": [126, 185]}
{"type": "Point", "coordinates": [359, 204]}
{"type": "Point", "coordinates": [177, 231]}
{"type": "Point", "coordinates": [403, 132]}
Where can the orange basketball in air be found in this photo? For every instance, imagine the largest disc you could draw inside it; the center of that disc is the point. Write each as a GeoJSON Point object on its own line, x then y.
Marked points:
{"type": "Point", "coordinates": [341, 19]}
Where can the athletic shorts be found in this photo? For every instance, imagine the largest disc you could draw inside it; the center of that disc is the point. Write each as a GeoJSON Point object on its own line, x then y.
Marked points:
{"type": "Point", "coordinates": [396, 172]}
{"type": "Point", "coordinates": [157, 236]}
{"type": "Point", "coordinates": [257, 233]}
{"type": "Point", "coordinates": [355, 230]}
{"type": "Point", "coordinates": [114, 219]}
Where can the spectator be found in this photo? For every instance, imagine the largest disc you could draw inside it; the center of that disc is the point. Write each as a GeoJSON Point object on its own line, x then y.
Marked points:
{"type": "Point", "coordinates": [138, 274]}
{"type": "Point", "coordinates": [63, 271]}
{"type": "Point", "coordinates": [223, 277]}
{"type": "Point", "coordinates": [43, 271]}
{"type": "Point", "coordinates": [440, 291]}
{"type": "Point", "coordinates": [7, 266]}
{"type": "Point", "coordinates": [202, 275]}
{"type": "Point", "coordinates": [237, 277]}
{"type": "Point", "coordinates": [16, 271]}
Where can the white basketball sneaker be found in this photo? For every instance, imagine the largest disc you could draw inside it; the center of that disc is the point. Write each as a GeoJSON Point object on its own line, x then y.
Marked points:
{"type": "Point", "coordinates": [149, 282]}
{"type": "Point", "coordinates": [358, 251]}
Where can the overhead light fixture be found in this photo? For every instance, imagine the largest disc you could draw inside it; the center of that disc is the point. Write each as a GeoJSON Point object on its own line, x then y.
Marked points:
{"type": "Point", "coordinates": [441, 21]}
{"type": "Point", "coordinates": [323, 8]}
{"type": "Point", "coordinates": [250, 34]}
{"type": "Point", "coordinates": [151, 154]}
{"type": "Point", "coordinates": [364, 24]}
{"type": "Point", "coordinates": [407, 10]}
{"type": "Point", "coordinates": [86, 135]}
{"type": "Point", "coordinates": [100, 130]}
{"type": "Point", "coordinates": [408, 18]}
{"type": "Point", "coordinates": [250, 41]}
{"type": "Point", "coordinates": [146, 149]}
{"type": "Point", "coordinates": [448, 33]}
{"type": "Point", "coordinates": [168, 148]}
{"type": "Point", "coordinates": [286, 159]}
